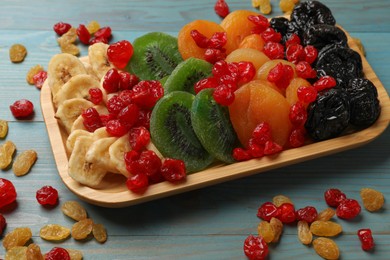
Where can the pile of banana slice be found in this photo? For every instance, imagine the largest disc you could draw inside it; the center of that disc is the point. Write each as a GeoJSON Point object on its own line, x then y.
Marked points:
{"type": "Point", "coordinates": [91, 155]}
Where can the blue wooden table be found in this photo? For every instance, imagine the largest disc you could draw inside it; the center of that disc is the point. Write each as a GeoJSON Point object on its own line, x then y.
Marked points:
{"type": "Point", "coordinates": [209, 223]}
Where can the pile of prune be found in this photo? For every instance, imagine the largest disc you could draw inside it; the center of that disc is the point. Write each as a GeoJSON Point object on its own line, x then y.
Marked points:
{"type": "Point", "coordinates": [354, 101]}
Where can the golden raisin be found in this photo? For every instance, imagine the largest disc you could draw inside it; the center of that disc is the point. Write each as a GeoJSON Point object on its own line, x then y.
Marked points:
{"type": "Point", "coordinates": [304, 233]}
{"type": "Point", "coordinates": [265, 231]}
{"type": "Point", "coordinates": [286, 5]}
{"type": "Point", "coordinates": [373, 200]}
{"type": "Point", "coordinates": [32, 72]}
{"type": "Point", "coordinates": [67, 40]}
{"type": "Point", "coordinates": [3, 128]}
{"type": "Point", "coordinates": [23, 162]}
{"type": "Point", "coordinates": [54, 232]}
{"type": "Point", "coordinates": [256, 3]}
{"type": "Point", "coordinates": [17, 53]}
{"type": "Point", "coordinates": [281, 199]}
{"type": "Point", "coordinates": [16, 253]}
{"type": "Point", "coordinates": [326, 214]}
{"type": "Point", "coordinates": [325, 228]}
{"type": "Point", "coordinates": [82, 228]}
{"type": "Point", "coordinates": [326, 248]}
{"type": "Point", "coordinates": [99, 233]}
{"type": "Point", "coordinates": [265, 6]}
{"type": "Point", "coordinates": [93, 27]}
{"type": "Point", "coordinates": [34, 252]}
{"type": "Point", "coordinates": [277, 227]}
{"type": "Point", "coordinates": [17, 237]}
{"type": "Point", "coordinates": [74, 210]}
{"type": "Point", "coordinates": [74, 254]}
{"type": "Point", "coordinates": [7, 151]}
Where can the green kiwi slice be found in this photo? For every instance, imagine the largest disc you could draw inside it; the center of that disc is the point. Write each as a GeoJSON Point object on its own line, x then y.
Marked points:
{"type": "Point", "coordinates": [172, 132]}
{"type": "Point", "coordinates": [186, 74]}
{"type": "Point", "coordinates": [155, 56]}
{"type": "Point", "coordinates": [211, 123]}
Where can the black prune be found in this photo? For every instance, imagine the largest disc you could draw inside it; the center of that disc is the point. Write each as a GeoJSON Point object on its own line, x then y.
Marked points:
{"type": "Point", "coordinates": [307, 14]}
{"type": "Point", "coordinates": [342, 63]}
{"type": "Point", "coordinates": [328, 116]}
{"type": "Point", "coordinates": [320, 35]}
{"type": "Point", "coordinates": [364, 103]}
{"type": "Point", "coordinates": [279, 24]}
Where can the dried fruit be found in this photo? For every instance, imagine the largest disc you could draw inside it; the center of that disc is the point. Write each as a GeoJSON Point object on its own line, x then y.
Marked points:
{"type": "Point", "coordinates": [221, 8]}
{"type": "Point", "coordinates": [326, 214]}
{"type": "Point", "coordinates": [3, 223]}
{"type": "Point", "coordinates": [255, 248]}
{"type": "Point", "coordinates": [67, 40]}
{"type": "Point", "coordinates": [280, 199]}
{"type": "Point", "coordinates": [33, 252]}
{"type": "Point", "coordinates": [83, 34]}
{"type": "Point", "coordinates": [99, 233]}
{"type": "Point", "coordinates": [23, 162]}
{"type": "Point", "coordinates": [17, 237]}
{"type": "Point", "coordinates": [16, 253]}
{"type": "Point", "coordinates": [81, 229]}
{"type": "Point", "coordinates": [304, 233]}
{"type": "Point", "coordinates": [47, 195]}
{"type": "Point", "coordinates": [54, 232]}
{"type": "Point", "coordinates": [74, 254]}
{"type": "Point", "coordinates": [74, 210]}
{"type": "Point", "coordinates": [32, 72]}
{"type": "Point", "coordinates": [277, 227]}
{"type": "Point", "coordinates": [120, 53]}
{"type": "Point", "coordinates": [348, 209]}
{"type": "Point", "coordinates": [266, 231]}
{"type": "Point", "coordinates": [93, 26]}
{"type": "Point", "coordinates": [39, 79]}
{"type": "Point", "coordinates": [22, 108]}
{"type": "Point", "coordinates": [61, 28]}
{"type": "Point", "coordinates": [333, 197]}
{"type": "Point", "coordinates": [325, 228]}
{"type": "Point", "coordinates": [3, 128]}
{"type": "Point", "coordinates": [326, 248]}
{"type": "Point", "coordinates": [308, 214]}
{"type": "Point", "coordinates": [173, 170]}
{"type": "Point", "coordinates": [7, 192]}
{"type": "Point", "coordinates": [7, 151]}
{"type": "Point", "coordinates": [17, 53]}
{"type": "Point", "coordinates": [287, 213]}
{"type": "Point", "coordinates": [267, 211]}
{"type": "Point", "coordinates": [57, 253]}
{"type": "Point", "coordinates": [373, 200]}
{"type": "Point", "coordinates": [365, 236]}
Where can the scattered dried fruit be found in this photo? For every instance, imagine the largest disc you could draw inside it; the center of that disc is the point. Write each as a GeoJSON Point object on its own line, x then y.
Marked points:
{"type": "Point", "coordinates": [47, 195]}
{"type": "Point", "coordinates": [57, 253]}
{"type": "Point", "coordinates": [255, 248]}
{"type": "Point", "coordinates": [54, 232]}
{"type": "Point", "coordinates": [17, 237]}
{"type": "Point", "coordinates": [7, 192]}
{"type": "Point", "coordinates": [23, 162]}
{"type": "Point", "coordinates": [3, 128]}
{"type": "Point", "coordinates": [304, 233]}
{"type": "Point", "coordinates": [99, 233]}
{"type": "Point", "coordinates": [74, 210]}
{"type": "Point", "coordinates": [22, 108]}
{"type": "Point", "coordinates": [74, 254]}
{"type": "Point", "coordinates": [373, 200]}
{"type": "Point", "coordinates": [365, 236]}
{"type": "Point", "coordinates": [348, 209]}
{"type": "Point", "coordinates": [280, 199]}
{"type": "Point", "coordinates": [16, 253]}
{"type": "Point", "coordinates": [93, 27]}
{"type": "Point", "coordinates": [277, 226]}
{"type": "Point", "coordinates": [325, 228]}
{"type": "Point", "coordinates": [326, 214]}
{"type": "Point", "coordinates": [326, 248]}
{"type": "Point", "coordinates": [266, 231]}
{"type": "Point", "coordinates": [81, 229]}
{"type": "Point", "coordinates": [17, 53]}
{"type": "Point", "coordinates": [32, 72]}
{"type": "Point", "coordinates": [7, 151]}
{"type": "Point", "coordinates": [33, 252]}
{"type": "Point", "coordinates": [67, 40]}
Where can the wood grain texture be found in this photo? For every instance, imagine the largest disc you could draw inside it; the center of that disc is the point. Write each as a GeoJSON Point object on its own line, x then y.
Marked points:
{"type": "Point", "coordinates": [212, 222]}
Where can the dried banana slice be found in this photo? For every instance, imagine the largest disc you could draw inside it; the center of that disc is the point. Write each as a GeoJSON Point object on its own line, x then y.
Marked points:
{"type": "Point", "coordinates": [62, 67]}
{"type": "Point", "coordinates": [71, 140]}
{"type": "Point", "coordinates": [69, 110]}
{"type": "Point", "coordinates": [98, 154]}
{"type": "Point", "coordinates": [117, 151]}
{"type": "Point", "coordinates": [81, 170]}
{"type": "Point", "coordinates": [97, 54]}
{"type": "Point", "coordinates": [77, 87]}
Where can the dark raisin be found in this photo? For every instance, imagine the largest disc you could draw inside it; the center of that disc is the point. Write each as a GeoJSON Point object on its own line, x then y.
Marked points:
{"type": "Point", "coordinates": [364, 103]}
{"type": "Point", "coordinates": [320, 35]}
{"type": "Point", "coordinates": [342, 63]}
{"type": "Point", "coordinates": [328, 116]}
{"type": "Point", "coordinates": [307, 14]}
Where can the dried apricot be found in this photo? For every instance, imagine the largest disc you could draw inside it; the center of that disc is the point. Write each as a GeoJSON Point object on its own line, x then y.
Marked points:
{"type": "Point", "coordinates": [74, 210]}
{"type": "Point", "coordinates": [326, 214]}
{"type": "Point", "coordinates": [33, 252]}
{"type": "Point", "coordinates": [32, 72]}
{"type": "Point", "coordinates": [292, 90]}
{"type": "Point", "coordinates": [17, 53]}
{"type": "Point", "coordinates": [373, 200]}
{"type": "Point", "coordinates": [257, 57]}
{"type": "Point", "coordinates": [16, 253]}
{"type": "Point", "coordinates": [23, 162]}
{"type": "Point", "coordinates": [325, 228]}
{"type": "Point", "coordinates": [17, 237]}
{"type": "Point", "coordinates": [265, 231]}
{"type": "Point", "coordinates": [54, 232]}
{"type": "Point", "coordinates": [99, 233]}
{"type": "Point", "coordinates": [82, 229]}
{"type": "Point", "coordinates": [3, 128]}
{"type": "Point", "coordinates": [253, 41]}
{"type": "Point", "coordinates": [304, 233]}
{"type": "Point", "coordinates": [7, 151]}
{"type": "Point", "coordinates": [326, 248]}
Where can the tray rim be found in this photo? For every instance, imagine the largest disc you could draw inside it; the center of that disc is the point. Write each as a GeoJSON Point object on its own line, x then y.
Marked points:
{"type": "Point", "coordinates": [217, 173]}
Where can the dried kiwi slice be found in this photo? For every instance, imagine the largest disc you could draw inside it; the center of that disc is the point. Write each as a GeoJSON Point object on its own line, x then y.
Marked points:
{"type": "Point", "coordinates": [155, 56]}
{"type": "Point", "coordinates": [172, 133]}
{"type": "Point", "coordinates": [211, 123]}
{"type": "Point", "coordinates": [186, 74]}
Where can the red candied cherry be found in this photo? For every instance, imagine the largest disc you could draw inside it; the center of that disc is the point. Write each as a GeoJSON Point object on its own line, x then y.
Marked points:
{"type": "Point", "coordinates": [324, 82]}
{"type": "Point", "coordinates": [304, 70]}
{"type": "Point", "coordinates": [270, 35]}
{"type": "Point", "coordinates": [229, 81]}
{"type": "Point", "coordinates": [214, 55]}
{"type": "Point", "coordinates": [348, 209]}
{"type": "Point", "coordinates": [3, 223]}
{"type": "Point", "coordinates": [47, 195]}
{"type": "Point", "coordinates": [308, 214]}
{"type": "Point", "coordinates": [91, 119]}
{"type": "Point", "coordinates": [120, 53]}
{"type": "Point", "coordinates": [298, 114]}
{"type": "Point", "coordinates": [262, 133]}
{"type": "Point", "coordinates": [61, 28]}
{"type": "Point", "coordinates": [95, 95]}
{"type": "Point", "coordinates": [255, 248]}
{"type": "Point", "coordinates": [217, 40]}
{"type": "Point", "coordinates": [39, 79]}
{"type": "Point", "coordinates": [139, 138]}
{"type": "Point", "coordinates": [144, 118]}
{"type": "Point", "coordinates": [94, 40]}
{"type": "Point", "coordinates": [106, 118]}
{"type": "Point", "coordinates": [295, 53]}
{"type": "Point", "coordinates": [146, 93]}
{"type": "Point", "coordinates": [247, 71]}
{"type": "Point", "coordinates": [128, 116]}
{"type": "Point", "coordinates": [146, 162]}
{"type": "Point", "coordinates": [125, 97]}
{"type": "Point", "coordinates": [173, 170]}
{"type": "Point", "coordinates": [220, 68]}
{"type": "Point", "coordinates": [22, 108]}
{"type": "Point", "coordinates": [137, 183]}
{"type": "Point", "coordinates": [224, 95]}
{"type": "Point", "coordinates": [83, 34]}
{"type": "Point", "coordinates": [274, 50]}
{"type": "Point", "coordinates": [333, 197]}
{"type": "Point", "coordinates": [271, 147]}
{"type": "Point", "coordinates": [293, 39]}
{"type": "Point", "coordinates": [306, 94]}
{"type": "Point", "coordinates": [116, 128]}
{"type": "Point", "coordinates": [7, 192]}
{"type": "Point", "coordinates": [200, 39]}
{"type": "Point", "coordinates": [365, 237]}
{"type": "Point", "coordinates": [297, 137]}
{"type": "Point", "coordinates": [104, 32]}
{"type": "Point", "coordinates": [240, 154]}
{"type": "Point", "coordinates": [261, 23]}
{"type": "Point", "coordinates": [255, 150]}
{"type": "Point", "coordinates": [111, 80]}
{"type": "Point", "coordinates": [221, 8]}
{"type": "Point", "coordinates": [311, 54]}
{"type": "Point", "coordinates": [127, 80]}
{"type": "Point", "coordinates": [57, 253]}
{"type": "Point", "coordinates": [115, 104]}
{"type": "Point", "coordinates": [267, 211]}
{"type": "Point", "coordinates": [281, 75]}
{"type": "Point", "coordinates": [210, 82]}
{"type": "Point", "coordinates": [287, 213]}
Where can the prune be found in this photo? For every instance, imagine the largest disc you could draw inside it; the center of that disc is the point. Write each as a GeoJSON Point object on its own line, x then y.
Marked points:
{"type": "Point", "coordinates": [320, 35]}
{"type": "Point", "coordinates": [328, 116]}
{"type": "Point", "coordinates": [364, 103]}
{"type": "Point", "coordinates": [307, 14]}
{"type": "Point", "coordinates": [279, 24]}
{"type": "Point", "coordinates": [342, 63]}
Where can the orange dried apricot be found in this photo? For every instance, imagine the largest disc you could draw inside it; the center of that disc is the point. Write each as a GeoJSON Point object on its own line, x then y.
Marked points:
{"type": "Point", "coordinates": [291, 90]}
{"type": "Point", "coordinates": [258, 58]}
{"type": "Point", "coordinates": [253, 41]}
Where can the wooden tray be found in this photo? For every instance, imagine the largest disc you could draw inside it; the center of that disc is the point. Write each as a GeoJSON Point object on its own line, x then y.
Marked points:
{"type": "Point", "coordinates": [114, 193]}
